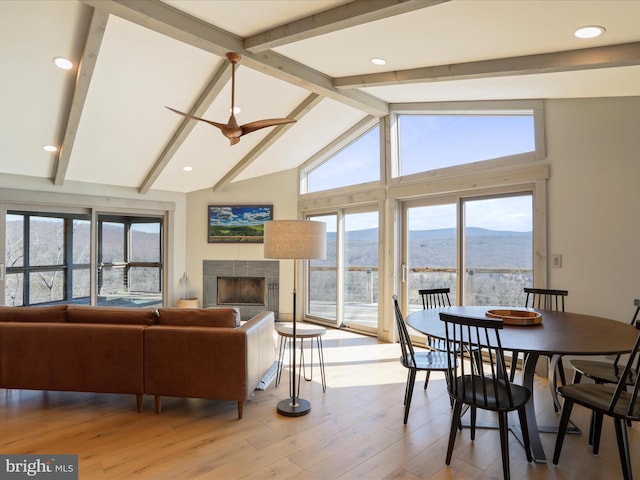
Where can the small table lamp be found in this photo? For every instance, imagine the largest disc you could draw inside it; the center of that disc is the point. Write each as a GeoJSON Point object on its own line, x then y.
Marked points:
{"type": "Point", "coordinates": [297, 240]}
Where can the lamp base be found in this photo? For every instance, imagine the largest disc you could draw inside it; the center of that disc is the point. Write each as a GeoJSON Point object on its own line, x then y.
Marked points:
{"type": "Point", "coordinates": [287, 407]}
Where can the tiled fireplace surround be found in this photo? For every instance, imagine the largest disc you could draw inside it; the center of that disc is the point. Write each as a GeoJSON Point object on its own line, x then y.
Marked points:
{"type": "Point", "coordinates": [267, 269]}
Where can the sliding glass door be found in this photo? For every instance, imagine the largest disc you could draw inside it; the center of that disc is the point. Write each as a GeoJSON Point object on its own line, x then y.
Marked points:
{"type": "Point", "coordinates": [479, 247]}
{"type": "Point", "coordinates": [343, 288]}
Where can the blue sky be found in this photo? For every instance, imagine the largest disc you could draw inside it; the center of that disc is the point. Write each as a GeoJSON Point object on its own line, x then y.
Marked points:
{"type": "Point", "coordinates": [357, 163]}
{"type": "Point", "coordinates": [239, 215]}
{"type": "Point", "coordinates": [513, 213]}
{"type": "Point", "coordinates": [429, 142]}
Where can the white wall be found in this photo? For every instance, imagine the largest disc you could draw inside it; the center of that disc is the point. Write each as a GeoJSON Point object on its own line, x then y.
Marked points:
{"type": "Point", "coordinates": [593, 147]}
{"type": "Point", "coordinates": [279, 190]}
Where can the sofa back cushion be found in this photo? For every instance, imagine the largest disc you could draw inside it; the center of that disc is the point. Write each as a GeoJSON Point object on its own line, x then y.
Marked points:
{"type": "Point", "coordinates": [76, 357]}
{"type": "Point", "coordinates": [196, 317]}
{"type": "Point", "coordinates": [48, 313]}
{"type": "Point", "coordinates": [113, 315]}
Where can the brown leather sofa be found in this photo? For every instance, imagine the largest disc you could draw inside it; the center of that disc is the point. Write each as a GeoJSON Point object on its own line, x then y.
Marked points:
{"type": "Point", "coordinates": [174, 352]}
{"type": "Point", "coordinates": [186, 357]}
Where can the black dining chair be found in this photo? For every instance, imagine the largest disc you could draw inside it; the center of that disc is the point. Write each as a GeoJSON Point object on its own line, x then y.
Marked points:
{"type": "Point", "coordinates": [605, 372]}
{"type": "Point", "coordinates": [415, 361]}
{"type": "Point", "coordinates": [619, 401]}
{"type": "Point", "coordinates": [487, 388]}
{"type": "Point", "coordinates": [545, 299]}
{"type": "Point", "coordinates": [435, 298]}
{"type": "Point", "coordinates": [438, 298]}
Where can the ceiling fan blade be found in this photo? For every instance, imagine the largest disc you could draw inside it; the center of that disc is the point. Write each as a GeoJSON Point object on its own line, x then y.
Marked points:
{"type": "Point", "coordinates": [231, 129]}
{"type": "Point", "coordinates": [215, 124]}
{"type": "Point", "coordinates": [269, 122]}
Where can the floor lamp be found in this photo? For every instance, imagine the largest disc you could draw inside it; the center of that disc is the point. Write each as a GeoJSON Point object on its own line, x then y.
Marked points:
{"type": "Point", "coordinates": [296, 240]}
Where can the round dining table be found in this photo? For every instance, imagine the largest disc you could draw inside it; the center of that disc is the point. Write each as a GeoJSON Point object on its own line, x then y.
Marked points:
{"type": "Point", "coordinates": [562, 333]}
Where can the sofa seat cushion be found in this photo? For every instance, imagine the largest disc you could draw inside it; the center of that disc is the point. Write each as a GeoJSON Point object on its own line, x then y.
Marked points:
{"type": "Point", "coordinates": [111, 315]}
{"type": "Point", "coordinates": [48, 313]}
{"type": "Point", "coordinates": [196, 317]}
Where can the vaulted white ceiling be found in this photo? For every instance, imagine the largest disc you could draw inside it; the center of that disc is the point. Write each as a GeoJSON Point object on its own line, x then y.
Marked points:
{"type": "Point", "coordinates": [304, 58]}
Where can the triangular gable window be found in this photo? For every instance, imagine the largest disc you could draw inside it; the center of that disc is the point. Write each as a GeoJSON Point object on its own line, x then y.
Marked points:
{"type": "Point", "coordinates": [358, 162]}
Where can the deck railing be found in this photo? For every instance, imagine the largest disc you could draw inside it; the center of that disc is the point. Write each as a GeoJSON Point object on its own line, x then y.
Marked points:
{"type": "Point", "coordinates": [484, 285]}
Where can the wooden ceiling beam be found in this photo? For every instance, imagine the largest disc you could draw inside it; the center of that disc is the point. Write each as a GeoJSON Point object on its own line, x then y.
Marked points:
{"type": "Point", "coordinates": [344, 16]}
{"type": "Point", "coordinates": [172, 22]}
{"type": "Point", "coordinates": [215, 85]}
{"type": "Point", "coordinates": [86, 67]}
{"type": "Point", "coordinates": [621, 55]}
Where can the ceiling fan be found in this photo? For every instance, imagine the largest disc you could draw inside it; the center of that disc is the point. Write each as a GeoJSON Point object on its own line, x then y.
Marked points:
{"type": "Point", "coordinates": [231, 129]}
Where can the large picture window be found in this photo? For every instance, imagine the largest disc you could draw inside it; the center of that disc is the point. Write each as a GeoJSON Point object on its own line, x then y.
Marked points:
{"type": "Point", "coordinates": [48, 259]}
{"type": "Point", "coordinates": [129, 261]}
{"type": "Point", "coordinates": [441, 137]}
{"type": "Point", "coordinates": [461, 204]}
{"type": "Point", "coordinates": [431, 142]}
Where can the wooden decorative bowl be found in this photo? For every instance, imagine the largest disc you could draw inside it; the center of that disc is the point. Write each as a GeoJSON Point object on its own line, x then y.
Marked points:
{"type": "Point", "coordinates": [516, 317]}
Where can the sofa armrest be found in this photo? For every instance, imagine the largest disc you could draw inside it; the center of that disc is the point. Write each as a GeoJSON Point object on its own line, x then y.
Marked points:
{"type": "Point", "coordinates": [219, 363]}
{"type": "Point", "coordinates": [261, 347]}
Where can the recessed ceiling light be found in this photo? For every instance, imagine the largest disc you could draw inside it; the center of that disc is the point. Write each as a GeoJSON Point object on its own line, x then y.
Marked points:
{"type": "Point", "coordinates": [236, 110]}
{"type": "Point", "coordinates": [589, 31]}
{"type": "Point", "coordinates": [63, 63]}
{"type": "Point", "coordinates": [378, 61]}
{"type": "Point", "coordinates": [187, 168]}
{"type": "Point", "coordinates": [50, 148]}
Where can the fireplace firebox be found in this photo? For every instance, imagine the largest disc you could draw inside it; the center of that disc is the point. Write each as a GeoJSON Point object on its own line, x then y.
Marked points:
{"type": "Point", "coordinates": [241, 290]}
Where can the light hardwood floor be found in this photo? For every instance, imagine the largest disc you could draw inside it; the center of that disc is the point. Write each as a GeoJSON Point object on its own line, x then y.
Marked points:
{"type": "Point", "coordinates": [354, 431]}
